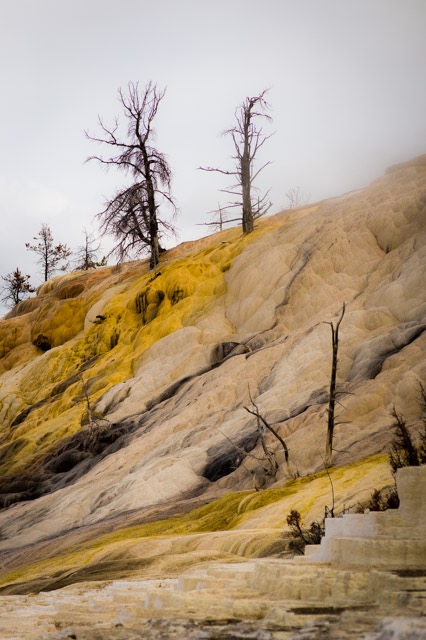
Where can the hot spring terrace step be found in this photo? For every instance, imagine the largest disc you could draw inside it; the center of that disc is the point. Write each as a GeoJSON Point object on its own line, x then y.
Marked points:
{"type": "Point", "coordinates": [288, 580]}
{"type": "Point", "coordinates": [245, 604]}
{"type": "Point", "coordinates": [390, 524]}
{"type": "Point", "coordinates": [229, 576]}
{"type": "Point", "coordinates": [384, 552]}
{"type": "Point", "coordinates": [277, 579]}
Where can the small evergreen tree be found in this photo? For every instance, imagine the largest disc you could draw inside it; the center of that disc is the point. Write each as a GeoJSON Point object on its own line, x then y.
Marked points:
{"type": "Point", "coordinates": [17, 287]}
{"type": "Point", "coordinates": [403, 451]}
{"type": "Point", "coordinates": [50, 254]}
{"type": "Point", "coordinates": [421, 450]}
{"type": "Point", "coordinates": [299, 535]}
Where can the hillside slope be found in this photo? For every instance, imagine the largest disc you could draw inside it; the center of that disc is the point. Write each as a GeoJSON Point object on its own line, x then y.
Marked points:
{"type": "Point", "coordinates": [135, 416]}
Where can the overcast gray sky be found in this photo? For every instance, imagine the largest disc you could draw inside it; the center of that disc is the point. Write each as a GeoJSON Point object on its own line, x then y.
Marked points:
{"type": "Point", "coordinates": [347, 90]}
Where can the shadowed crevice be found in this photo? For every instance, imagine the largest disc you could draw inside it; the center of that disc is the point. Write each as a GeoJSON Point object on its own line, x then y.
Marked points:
{"type": "Point", "coordinates": [72, 458]}
{"type": "Point", "coordinates": [372, 355]}
{"type": "Point", "coordinates": [226, 458]}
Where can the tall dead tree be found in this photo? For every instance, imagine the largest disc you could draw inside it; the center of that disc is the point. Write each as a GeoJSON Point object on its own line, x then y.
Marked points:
{"type": "Point", "coordinates": [132, 215]}
{"type": "Point", "coordinates": [248, 138]}
{"type": "Point", "coordinates": [332, 393]}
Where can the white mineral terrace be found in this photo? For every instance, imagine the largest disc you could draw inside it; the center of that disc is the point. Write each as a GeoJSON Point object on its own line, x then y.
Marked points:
{"type": "Point", "coordinates": [366, 580]}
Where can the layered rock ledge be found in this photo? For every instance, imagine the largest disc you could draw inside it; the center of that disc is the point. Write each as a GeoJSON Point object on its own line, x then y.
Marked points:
{"type": "Point", "coordinates": [351, 587]}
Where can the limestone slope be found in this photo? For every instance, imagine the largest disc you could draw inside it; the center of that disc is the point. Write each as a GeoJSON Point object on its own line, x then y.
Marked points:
{"type": "Point", "coordinates": [137, 411]}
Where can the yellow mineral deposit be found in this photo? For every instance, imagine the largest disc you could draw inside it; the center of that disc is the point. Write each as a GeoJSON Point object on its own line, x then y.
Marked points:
{"type": "Point", "coordinates": [125, 448]}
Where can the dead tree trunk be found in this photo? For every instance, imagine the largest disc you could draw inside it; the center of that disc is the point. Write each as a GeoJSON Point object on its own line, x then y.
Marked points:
{"type": "Point", "coordinates": [332, 398]}
{"type": "Point", "coordinates": [248, 218]}
{"type": "Point", "coordinates": [248, 138]}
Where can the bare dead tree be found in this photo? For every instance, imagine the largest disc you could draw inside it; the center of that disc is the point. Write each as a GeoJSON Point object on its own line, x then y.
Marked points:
{"type": "Point", "coordinates": [220, 219]}
{"type": "Point", "coordinates": [50, 254]}
{"type": "Point", "coordinates": [297, 197]}
{"type": "Point", "coordinates": [332, 394]}
{"type": "Point", "coordinates": [132, 215]}
{"type": "Point", "coordinates": [95, 422]}
{"type": "Point", "coordinates": [248, 138]}
{"type": "Point", "coordinates": [86, 254]}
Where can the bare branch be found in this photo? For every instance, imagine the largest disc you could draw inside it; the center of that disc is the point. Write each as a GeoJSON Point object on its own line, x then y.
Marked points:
{"type": "Point", "coordinates": [240, 450]}
{"type": "Point", "coordinates": [261, 420]}
{"type": "Point", "coordinates": [269, 428]}
{"type": "Point", "coordinates": [227, 173]}
{"type": "Point", "coordinates": [259, 170]}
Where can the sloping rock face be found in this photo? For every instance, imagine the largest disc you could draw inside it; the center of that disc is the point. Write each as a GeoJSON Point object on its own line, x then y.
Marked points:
{"type": "Point", "coordinates": [136, 412]}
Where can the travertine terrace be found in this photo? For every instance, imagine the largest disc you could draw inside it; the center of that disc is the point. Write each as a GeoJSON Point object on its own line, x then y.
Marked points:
{"type": "Point", "coordinates": [126, 452]}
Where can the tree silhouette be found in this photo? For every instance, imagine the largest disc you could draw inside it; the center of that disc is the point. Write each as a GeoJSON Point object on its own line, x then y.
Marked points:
{"type": "Point", "coordinates": [248, 138]}
{"type": "Point", "coordinates": [332, 393]}
{"type": "Point", "coordinates": [50, 254]}
{"type": "Point", "coordinates": [86, 254]}
{"type": "Point", "coordinates": [132, 215]}
{"type": "Point", "coordinates": [17, 287]}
